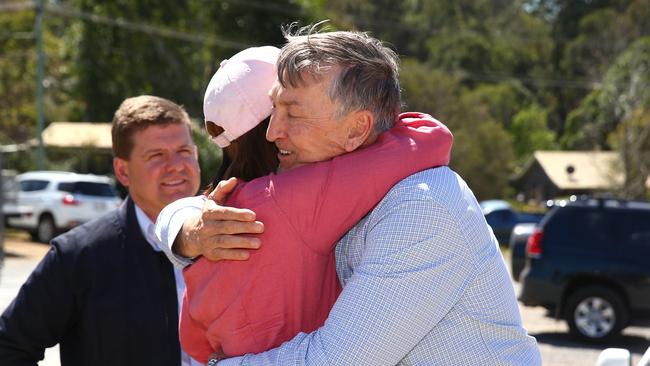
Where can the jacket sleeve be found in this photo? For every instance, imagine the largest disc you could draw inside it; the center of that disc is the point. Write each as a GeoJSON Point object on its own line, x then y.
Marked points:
{"type": "Point", "coordinates": [336, 194]}
{"type": "Point", "coordinates": [39, 316]}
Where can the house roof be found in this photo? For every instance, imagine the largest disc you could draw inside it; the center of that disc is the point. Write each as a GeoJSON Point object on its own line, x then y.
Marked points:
{"type": "Point", "coordinates": [581, 169]}
{"type": "Point", "coordinates": [78, 134]}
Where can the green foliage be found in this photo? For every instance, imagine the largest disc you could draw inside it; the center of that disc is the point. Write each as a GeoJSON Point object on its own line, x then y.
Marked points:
{"type": "Point", "coordinates": [618, 115]}
{"type": "Point", "coordinates": [530, 132]}
{"type": "Point", "coordinates": [589, 35]}
{"type": "Point", "coordinates": [509, 43]}
{"type": "Point", "coordinates": [501, 101]}
{"type": "Point", "coordinates": [508, 77]}
{"type": "Point", "coordinates": [585, 124]}
{"type": "Point", "coordinates": [210, 155]}
{"type": "Point", "coordinates": [482, 155]}
{"type": "Point", "coordinates": [632, 139]}
{"type": "Point", "coordinates": [149, 63]}
{"type": "Point", "coordinates": [81, 160]}
{"type": "Point", "coordinates": [18, 75]}
{"type": "Point", "coordinates": [429, 90]}
{"type": "Point", "coordinates": [624, 90]}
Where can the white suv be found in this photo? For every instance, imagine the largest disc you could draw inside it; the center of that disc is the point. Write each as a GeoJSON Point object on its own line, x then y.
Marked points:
{"type": "Point", "coordinates": [61, 200]}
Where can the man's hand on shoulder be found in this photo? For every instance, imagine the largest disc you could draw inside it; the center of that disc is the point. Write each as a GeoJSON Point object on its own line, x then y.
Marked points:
{"type": "Point", "coordinates": [217, 232]}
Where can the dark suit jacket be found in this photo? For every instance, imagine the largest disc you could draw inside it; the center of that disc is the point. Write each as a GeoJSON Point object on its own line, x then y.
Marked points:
{"type": "Point", "coordinates": [103, 294]}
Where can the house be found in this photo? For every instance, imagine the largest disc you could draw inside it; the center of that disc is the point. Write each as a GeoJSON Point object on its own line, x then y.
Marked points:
{"type": "Point", "coordinates": [80, 146]}
{"type": "Point", "coordinates": [551, 174]}
{"type": "Point", "coordinates": [78, 134]}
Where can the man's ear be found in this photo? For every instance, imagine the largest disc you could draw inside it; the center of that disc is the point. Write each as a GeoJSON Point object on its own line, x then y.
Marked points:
{"type": "Point", "coordinates": [359, 129]}
{"type": "Point", "coordinates": [120, 166]}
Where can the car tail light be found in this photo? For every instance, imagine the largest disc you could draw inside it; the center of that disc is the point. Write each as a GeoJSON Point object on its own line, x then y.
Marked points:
{"type": "Point", "coordinates": [69, 200]}
{"type": "Point", "coordinates": [534, 244]}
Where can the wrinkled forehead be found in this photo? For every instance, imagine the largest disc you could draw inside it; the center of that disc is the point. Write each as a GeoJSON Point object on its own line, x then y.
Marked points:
{"type": "Point", "coordinates": [287, 86]}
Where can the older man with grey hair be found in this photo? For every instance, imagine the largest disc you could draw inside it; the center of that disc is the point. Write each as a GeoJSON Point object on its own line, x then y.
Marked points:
{"type": "Point", "coordinates": [423, 280]}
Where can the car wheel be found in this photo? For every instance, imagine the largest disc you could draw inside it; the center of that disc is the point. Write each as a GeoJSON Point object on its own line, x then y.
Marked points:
{"type": "Point", "coordinates": [595, 313]}
{"type": "Point", "coordinates": [45, 230]}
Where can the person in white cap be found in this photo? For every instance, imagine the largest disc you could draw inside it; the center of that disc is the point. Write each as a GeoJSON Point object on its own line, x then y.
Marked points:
{"type": "Point", "coordinates": [237, 111]}
{"type": "Point", "coordinates": [289, 285]}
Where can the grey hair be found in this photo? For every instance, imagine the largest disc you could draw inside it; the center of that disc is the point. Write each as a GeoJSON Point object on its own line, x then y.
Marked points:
{"type": "Point", "coordinates": [369, 76]}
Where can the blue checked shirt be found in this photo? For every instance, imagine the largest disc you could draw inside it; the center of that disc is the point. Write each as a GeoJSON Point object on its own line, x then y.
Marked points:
{"type": "Point", "coordinates": [424, 284]}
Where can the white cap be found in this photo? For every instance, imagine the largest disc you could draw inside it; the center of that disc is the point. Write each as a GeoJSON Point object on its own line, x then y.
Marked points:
{"type": "Point", "coordinates": [237, 98]}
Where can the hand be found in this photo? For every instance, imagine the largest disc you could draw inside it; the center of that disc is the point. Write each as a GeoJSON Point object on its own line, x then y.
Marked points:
{"type": "Point", "coordinates": [214, 233]}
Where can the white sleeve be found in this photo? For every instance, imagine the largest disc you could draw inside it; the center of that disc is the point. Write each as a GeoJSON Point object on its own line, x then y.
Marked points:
{"type": "Point", "coordinates": [169, 224]}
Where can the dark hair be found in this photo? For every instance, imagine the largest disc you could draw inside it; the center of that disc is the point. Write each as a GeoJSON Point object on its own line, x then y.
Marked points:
{"type": "Point", "coordinates": [255, 157]}
{"type": "Point", "coordinates": [138, 113]}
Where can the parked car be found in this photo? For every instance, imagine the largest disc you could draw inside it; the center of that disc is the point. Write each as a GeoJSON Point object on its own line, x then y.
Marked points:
{"type": "Point", "coordinates": [502, 218]}
{"type": "Point", "coordinates": [587, 263]}
{"type": "Point", "coordinates": [61, 200]}
{"type": "Point", "coordinates": [10, 189]}
{"type": "Point", "coordinates": [518, 240]}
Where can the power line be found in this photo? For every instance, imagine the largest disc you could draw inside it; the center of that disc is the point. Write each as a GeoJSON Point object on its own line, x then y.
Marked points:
{"type": "Point", "coordinates": [557, 83]}
{"type": "Point", "coordinates": [17, 6]}
{"type": "Point", "coordinates": [69, 12]}
{"type": "Point", "coordinates": [66, 11]}
{"type": "Point", "coordinates": [146, 28]}
{"type": "Point", "coordinates": [278, 8]}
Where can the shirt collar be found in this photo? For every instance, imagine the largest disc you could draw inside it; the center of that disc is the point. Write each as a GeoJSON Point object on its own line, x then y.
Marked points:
{"type": "Point", "coordinates": [147, 227]}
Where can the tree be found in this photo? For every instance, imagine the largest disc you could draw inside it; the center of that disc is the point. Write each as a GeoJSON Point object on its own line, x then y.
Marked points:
{"type": "Point", "coordinates": [17, 78]}
{"type": "Point", "coordinates": [617, 115]}
{"type": "Point", "coordinates": [167, 48]}
{"type": "Point", "coordinates": [18, 75]}
{"type": "Point", "coordinates": [482, 155]}
{"type": "Point", "coordinates": [429, 90]}
{"type": "Point", "coordinates": [632, 139]}
{"type": "Point", "coordinates": [530, 132]}
{"type": "Point", "coordinates": [502, 100]}
{"type": "Point", "coordinates": [587, 35]}
{"type": "Point", "coordinates": [18, 59]}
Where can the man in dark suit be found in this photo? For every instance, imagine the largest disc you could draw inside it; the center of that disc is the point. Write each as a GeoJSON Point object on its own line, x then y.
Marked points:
{"type": "Point", "coordinates": [104, 292]}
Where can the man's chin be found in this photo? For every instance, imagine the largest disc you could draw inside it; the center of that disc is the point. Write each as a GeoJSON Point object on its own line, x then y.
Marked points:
{"type": "Point", "coordinates": [283, 166]}
{"type": "Point", "coordinates": [287, 167]}
{"type": "Point", "coordinates": [173, 194]}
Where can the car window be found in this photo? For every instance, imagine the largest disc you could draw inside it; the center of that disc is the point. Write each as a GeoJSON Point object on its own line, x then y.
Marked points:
{"type": "Point", "coordinates": [66, 187]}
{"type": "Point", "coordinates": [30, 185]}
{"type": "Point", "coordinates": [88, 188]}
{"type": "Point", "coordinates": [579, 227]}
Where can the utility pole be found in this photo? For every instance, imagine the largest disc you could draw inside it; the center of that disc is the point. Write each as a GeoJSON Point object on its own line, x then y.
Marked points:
{"type": "Point", "coordinates": [2, 216]}
{"type": "Point", "coordinates": [40, 70]}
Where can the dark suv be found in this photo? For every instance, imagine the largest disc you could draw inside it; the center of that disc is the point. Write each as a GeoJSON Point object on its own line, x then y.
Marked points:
{"type": "Point", "coordinates": [588, 263]}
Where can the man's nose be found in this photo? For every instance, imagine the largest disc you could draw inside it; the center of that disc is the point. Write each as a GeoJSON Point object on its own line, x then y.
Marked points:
{"type": "Point", "coordinates": [277, 128]}
{"type": "Point", "coordinates": [176, 162]}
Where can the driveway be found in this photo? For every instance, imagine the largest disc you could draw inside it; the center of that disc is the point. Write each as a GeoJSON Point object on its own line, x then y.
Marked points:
{"type": "Point", "coordinates": [559, 349]}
